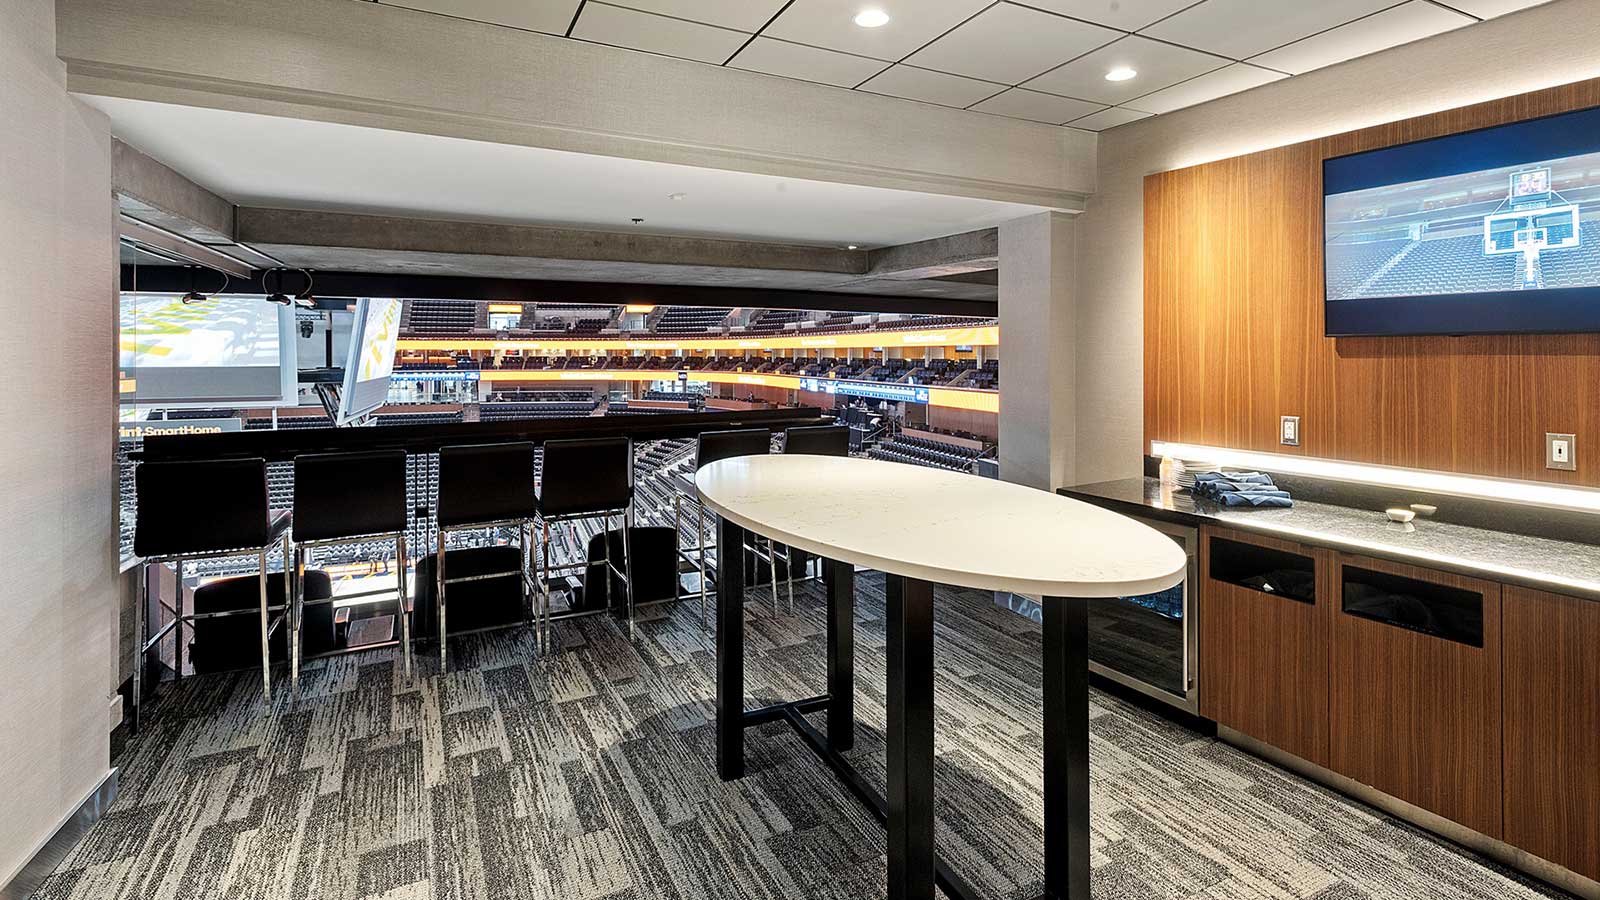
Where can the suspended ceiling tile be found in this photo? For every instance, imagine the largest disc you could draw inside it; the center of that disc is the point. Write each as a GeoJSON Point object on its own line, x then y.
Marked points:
{"type": "Point", "coordinates": [1157, 65]}
{"type": "Point", "coordinates": [929, 86]}
{"type": "Point", "coordinates": [775, 57]}
{"type": "Point", "coordinates": [1010, 43]}
{"type": "Point", "coordinates": [1231, 80]}
{"type": "Point", "coordinates": [619, 27]}
{"type": "Point", "coordinates": [1128, 15]}
{"type": "Point", "coordinates": [740, 15]}
{"type": "Point", "coordinates": [1390, 28]}
{"type": "Point", "coordinates": [1243, 28]}
{"type": "Point", "coordinates": [549, 16]}
{"type": "Point", "coordinates": [1108, 118]}
{"type": "Point", "coordinates": [831, 24]}
{"type": "Point", "coordinates": [1019, 103]}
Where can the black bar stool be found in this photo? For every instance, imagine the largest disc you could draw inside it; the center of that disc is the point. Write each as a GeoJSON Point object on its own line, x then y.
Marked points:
{"type": "Point", "coordinates": [817, 440]}
{"type": "Point", "coordinates": [483, 486]}
{"type": "Point", "coordinates": [584, 479]}
{"type": "Point", "coordinates": [710, 447]}
{"type": "Point", "coordinates": [343, 498]}
{"type": "Point", "coordinates": [210, 509]}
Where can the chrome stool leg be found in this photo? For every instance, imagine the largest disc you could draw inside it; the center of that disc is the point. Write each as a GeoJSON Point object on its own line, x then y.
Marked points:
{"type": "Point", "coordinates": [177, 624]}
{"type": "Point", "coordinates": [141, 598]}
{"type": "Point", "coordinates": [297, 617]}
{"type": "Point", "coordinates": [403, 599]}
{"type": "Point", "coordinates": [438, 571]}
{"type": "Point", "coordinates": [266, 652]}
{"type": "Point", "coordinates": [700, 531]}
{"type": "Point", "coordinates": [627, 570]}
{"type": "Point", "coordinates": [544, 587]}
{"type": "Point", "coordinates": [772, 569]}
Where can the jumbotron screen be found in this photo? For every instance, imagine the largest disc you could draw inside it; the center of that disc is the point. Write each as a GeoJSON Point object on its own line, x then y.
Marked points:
{"type": "Point", "coordinates": [1489, 231]}
{"type": "Point", "coordinates": [225, 350]}
{"type": "Point", "coordinates": [370, 361]}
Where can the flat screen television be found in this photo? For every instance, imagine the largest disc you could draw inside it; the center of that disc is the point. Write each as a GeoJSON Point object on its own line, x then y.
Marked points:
{"type": "Point", "coordinates": [370, 362]}
{"type": "Point", "coordinates": [1495, 231]}
{"type": "Point", "coordinates": [224, 351]}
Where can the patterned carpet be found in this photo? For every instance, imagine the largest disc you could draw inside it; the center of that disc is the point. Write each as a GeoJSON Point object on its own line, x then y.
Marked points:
{"type": "Point", "coordinates": [587, 774]}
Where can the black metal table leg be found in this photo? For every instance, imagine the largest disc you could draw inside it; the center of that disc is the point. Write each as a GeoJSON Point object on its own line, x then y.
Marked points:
{"type": "Point", "coordinates": [840, 578]}
{"type": "Point", "coordinates": [730, 650]}
{"type": "Point", "coordinates": [910, 738]}
{"type": "Point", "coordinates": [1066, 748]}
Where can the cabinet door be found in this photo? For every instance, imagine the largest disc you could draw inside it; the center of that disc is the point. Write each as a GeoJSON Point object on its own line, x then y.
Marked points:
{"type": "Point", "coordinates": [1552, 727]}
{"type": "Point", "coordinates": [1416, 688]}
{"type": "Point", "coordinates": [1264, 641]}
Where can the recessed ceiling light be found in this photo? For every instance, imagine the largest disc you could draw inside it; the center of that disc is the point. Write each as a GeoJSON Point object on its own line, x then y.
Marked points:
{"type": "Point", "coordinates": [1121, 73]}
{"type": "Point", "coordinates": [872, 18]}
{"type": "Point", "coordinates": [677, 196]}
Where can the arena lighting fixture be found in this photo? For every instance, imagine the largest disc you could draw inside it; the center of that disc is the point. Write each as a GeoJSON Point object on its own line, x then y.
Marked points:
{"type": "Point", "coordinates": [1121, 73]}
{"type": "Point", "coordinates": [872, 17]}
{"type": "Point", "coordinates": [1527, 493]}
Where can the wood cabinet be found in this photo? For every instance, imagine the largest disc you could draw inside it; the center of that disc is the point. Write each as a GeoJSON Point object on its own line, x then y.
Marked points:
{"type": "Point", "coordinates": [1552, 727]}
{"type": "Point", "coordinates": [1264, 640]}
{"type": "Point", "coordinates": [1416, 694]}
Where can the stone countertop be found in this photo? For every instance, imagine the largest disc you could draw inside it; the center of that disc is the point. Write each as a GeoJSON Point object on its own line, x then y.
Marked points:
{"type": "Point", "coordinates": [1565, 567]}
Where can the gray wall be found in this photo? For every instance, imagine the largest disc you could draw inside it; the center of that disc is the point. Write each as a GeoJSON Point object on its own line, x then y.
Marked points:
{"type": "Point", "coordinates": [1533, 49]}
{"type": "Point", "coordinates": [58, 566]}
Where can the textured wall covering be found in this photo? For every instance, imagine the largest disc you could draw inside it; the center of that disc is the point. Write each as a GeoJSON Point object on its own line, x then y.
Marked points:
{"type": "Point", "coordinates": [58, 580]}
{"type": "Point", "coordinates": [1533, 49]}
{"type": "Point", "coordinates": [1233, 327]}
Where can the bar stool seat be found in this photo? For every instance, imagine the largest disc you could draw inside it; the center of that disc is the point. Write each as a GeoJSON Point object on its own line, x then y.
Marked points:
{"type": "Point", "coordinates": [483, 486]}
{"type": "Point", "coordinates": [340, 498]}
{"type": "Point", "coordinates": [587, 478]}
{"type": "Point", "coordinates": [710, 447]}
{"type": "Point", "coordinates": [204, 509]}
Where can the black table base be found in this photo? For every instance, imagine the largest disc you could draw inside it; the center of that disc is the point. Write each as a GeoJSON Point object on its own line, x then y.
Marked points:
{"type": "Point", "coordinates": [908, 808]}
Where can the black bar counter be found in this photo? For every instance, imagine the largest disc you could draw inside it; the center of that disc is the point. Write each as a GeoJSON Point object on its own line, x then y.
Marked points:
{"type": "Point", "coordinates": [285, 444]}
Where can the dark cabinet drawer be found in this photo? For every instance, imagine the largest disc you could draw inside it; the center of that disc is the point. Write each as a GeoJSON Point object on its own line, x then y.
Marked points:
{"type": "Point", "coordinates": [1416, 688]}
{"type": "Point", "coordinates": [1270, 570]}
{"type": "Point", "coordinates": [1427, 607]}
{"type": "Point", "coordinates": [1264, 640]}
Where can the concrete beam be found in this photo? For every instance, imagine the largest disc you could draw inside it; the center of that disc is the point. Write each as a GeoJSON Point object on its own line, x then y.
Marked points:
{"type": "Point", "coordinates": [151, 192]}
{"type": "Point", "coordinates": [956, 254]}
{"type": "Point", "coordinates": [380, 66]}
{"type": "Point", "coordinates": [395, 234]}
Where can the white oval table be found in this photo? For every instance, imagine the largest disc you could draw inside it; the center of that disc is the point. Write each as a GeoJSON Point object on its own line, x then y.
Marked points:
{"type": "Point", "coordinates": [921, 526]}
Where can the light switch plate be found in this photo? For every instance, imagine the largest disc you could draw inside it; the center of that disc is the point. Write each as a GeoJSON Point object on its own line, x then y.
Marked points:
{"type": "Point", "coordinates": [1560, 451]}
{"type": "Point", "coordinates": [1289, 431]}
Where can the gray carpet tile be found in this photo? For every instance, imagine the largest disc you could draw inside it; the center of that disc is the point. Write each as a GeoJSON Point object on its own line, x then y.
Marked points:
{"type": "Point", "coordinates": [586, 772]}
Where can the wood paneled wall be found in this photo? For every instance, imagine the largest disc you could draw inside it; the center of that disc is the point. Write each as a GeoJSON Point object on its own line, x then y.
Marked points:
{"type": "Point", "coordinates": [1233, 327]}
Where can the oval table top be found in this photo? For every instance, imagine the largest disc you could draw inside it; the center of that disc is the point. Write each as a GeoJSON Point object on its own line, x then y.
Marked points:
{"type": "Point", "coordinates": [939, 526]}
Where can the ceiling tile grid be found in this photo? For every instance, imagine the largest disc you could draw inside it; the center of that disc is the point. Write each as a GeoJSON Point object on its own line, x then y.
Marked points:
{"type": "Point", "coordinates": [1089, 64]}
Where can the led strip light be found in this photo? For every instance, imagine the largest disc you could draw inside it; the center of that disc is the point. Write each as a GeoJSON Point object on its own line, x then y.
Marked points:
{"type": "Point", "coordinates": [1527, 493]}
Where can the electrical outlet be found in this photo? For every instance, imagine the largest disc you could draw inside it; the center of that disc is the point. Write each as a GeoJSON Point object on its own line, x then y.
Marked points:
{"type": "Point", "coordinates": [1289, 431]}
{"type": "Point", "coordinates": [1560, 451]}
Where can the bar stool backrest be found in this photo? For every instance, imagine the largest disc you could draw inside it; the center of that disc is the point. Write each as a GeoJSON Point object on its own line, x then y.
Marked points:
{"type": "Point", "coordinates": [586, 475]}
{"type": "Point", "coordinates": [200, 507]}
{"type": "Point", "coordinates": [338, 495]}
{"type": "Point", "coordinates": [486, 483]}
{"type": "Point", "coordinates": [717, 445]}
{"type": "Point", "coordinates": [817, 440]}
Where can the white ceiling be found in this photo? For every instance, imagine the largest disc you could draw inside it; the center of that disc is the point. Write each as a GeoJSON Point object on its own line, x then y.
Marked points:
{"type": "Point", "coordinates": [1044, 60]}
{"type": "Point", "coordinates": [255, 160]}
